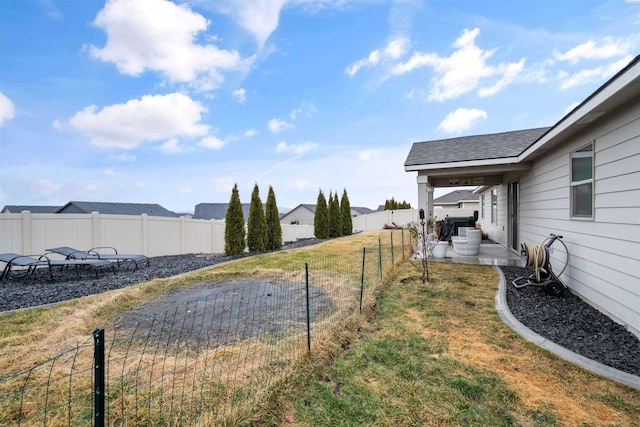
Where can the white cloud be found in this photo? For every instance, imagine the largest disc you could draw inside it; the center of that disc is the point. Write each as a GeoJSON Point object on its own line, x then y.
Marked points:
{"type": "Point", "coordinates": [305, 109]}
{"type": "Point", "coordinates": [223, 185]}
{"type": "Point", "coordinates": [303, 184]}
{"type": "Point", "coordinates": [212, 142]}
{"type": "Point", "coordinates": [124, 157]}
{"type": "Point", "coordinates": [45, 187]}
{"type": "Point", "coordinates": [592, 75]}
{"type": "Point", "coordinates": [365, 155]}
{"type": "Point", "coordinates": [392, 51]}
{"type": "Point", "coordinates": [160, 36]}
{"type": "Point", "coordinates": [277, 125]}
{"type": "Point", "coordinates": [283, 147]}
{"type": "Point", "coordinates": [7, 110]}
{"type": "Point", "coordinates": [240, 95]}
{"type": "Point", "coordinates": [111, 172]}
{"type": "Point", "coordinates": [571, 107]}
{"type": "Point", "coordinates": [251, 132]}
{"type": "Point", "coordinates": [607, 48]}
{"type": "Point", "coordinates": [461, 119]}
{"type": "Point", "coordinates": [151, 118]}
{"type": "Point", "coordinates": [509, 72]}
{"type": "Point", "coordinates": [258, 17]}
{"type": "Point", "coordinates": [50, 9]}
{"type": "Point", "coordinates": [462, 71]}
{"type": "Point", "coordinates": [173, 146]}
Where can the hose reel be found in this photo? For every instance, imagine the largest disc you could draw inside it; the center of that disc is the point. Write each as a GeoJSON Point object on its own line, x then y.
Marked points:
{"type": "Point", "coordinates": [537, 257]}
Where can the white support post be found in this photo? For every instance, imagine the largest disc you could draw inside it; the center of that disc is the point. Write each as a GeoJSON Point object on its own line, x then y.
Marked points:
{"type": "Point", "coordinates": [26, 233]}
{"type": "Point", "coordinates": [95, 230]}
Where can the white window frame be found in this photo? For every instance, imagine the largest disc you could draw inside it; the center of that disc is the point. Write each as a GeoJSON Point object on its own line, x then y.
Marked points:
{"type": "Point", "coordinates": [494, 206]}
{"type": "Point", "coordinates": [574, 184]}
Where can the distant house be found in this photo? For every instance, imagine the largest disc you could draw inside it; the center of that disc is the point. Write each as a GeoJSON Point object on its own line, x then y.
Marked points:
{"type": "Point", "coordinates": [116, 209]}
{"type": "Point", "coordinates": [357, 211]}
{"type": "Point", "coordinates": [579, 178]}
{"type": "Point", "coordinates": [30, 208]}
{"type": "Point", "coordinates": [304, 214]}
{"type": "Point", "coordinates": [458, 199]}
{"type": "Point", "coordinates": [217, 211]}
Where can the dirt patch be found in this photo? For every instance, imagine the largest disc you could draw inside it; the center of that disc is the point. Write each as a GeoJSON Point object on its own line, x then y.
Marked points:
{"type": "Point", "coordinates": [221, 313]}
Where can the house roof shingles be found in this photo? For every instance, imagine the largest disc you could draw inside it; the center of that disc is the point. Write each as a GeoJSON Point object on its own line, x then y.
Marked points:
{"type": "Point", "coordinates": [111, 208]}
{"type": "Point", "coordinates": [217, 211]}
{"type": "Point", "coordinates": [475, 147]}
{"type": "Point", "coordinates": [30, 208]}
{"type": "Point", "coordinates": [455, 197]}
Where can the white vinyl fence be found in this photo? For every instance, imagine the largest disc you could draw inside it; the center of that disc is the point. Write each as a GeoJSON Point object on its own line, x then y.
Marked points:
{"type": "Point", "coordinates": [27, 233]}
{"type": "Point", "coordinates": [32, 234]}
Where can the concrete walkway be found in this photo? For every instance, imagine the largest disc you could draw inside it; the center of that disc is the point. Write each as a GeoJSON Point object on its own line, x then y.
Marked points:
{"type": "Point", "coordinates": [498, 255]}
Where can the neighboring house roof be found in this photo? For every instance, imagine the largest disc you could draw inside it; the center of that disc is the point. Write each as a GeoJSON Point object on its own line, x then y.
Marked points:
{"type": "Point", "coordinates": [362, 210]}
{"type": "Point", "coordinates": [312, 208]}
{"type": "Point", "coordinates": [150, 209]}
{"type": "Point", "coordinates": [217, 211]}
{"type": "Point", "coordinates": [475, 147]}
{"type": "Point", "coordinates": [455, 197]}
{"type": "Point", "coordinates": [32, 209]}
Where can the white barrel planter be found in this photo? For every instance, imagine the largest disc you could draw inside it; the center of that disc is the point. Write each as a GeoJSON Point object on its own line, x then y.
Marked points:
{"type": "Point", "coordinates": [439, 250]}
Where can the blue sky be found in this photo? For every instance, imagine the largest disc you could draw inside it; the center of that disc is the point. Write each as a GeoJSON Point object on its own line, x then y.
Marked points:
{"type": "Point", "coordinates": [154, 101]}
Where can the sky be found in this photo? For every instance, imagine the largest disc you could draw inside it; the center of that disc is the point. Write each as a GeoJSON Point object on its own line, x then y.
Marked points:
{"type": "Point", "coordinates": [174, 102]}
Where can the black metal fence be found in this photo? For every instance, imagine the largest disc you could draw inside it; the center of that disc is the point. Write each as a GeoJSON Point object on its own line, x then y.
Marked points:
{"type": "Point", "coordinates": [211, 360]}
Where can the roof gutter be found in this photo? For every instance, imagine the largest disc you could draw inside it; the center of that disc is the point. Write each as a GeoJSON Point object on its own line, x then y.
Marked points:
{"type": "Point", "coordinates": [467, 163]}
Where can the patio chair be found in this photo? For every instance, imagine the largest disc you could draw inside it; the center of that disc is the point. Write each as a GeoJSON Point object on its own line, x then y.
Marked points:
{"type": "Point", "coordinates": [71, 253]}
{"type": "Point", "coordinates": [30, 263]}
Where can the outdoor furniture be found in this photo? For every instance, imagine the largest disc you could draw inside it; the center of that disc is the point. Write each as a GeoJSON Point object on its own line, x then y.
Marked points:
{"type": "Point", "coordinates": [71, 253]}
{"type": "Point", "coordinates": [469, 246]}
{"type": "Point", "coordinates": [30, 263]}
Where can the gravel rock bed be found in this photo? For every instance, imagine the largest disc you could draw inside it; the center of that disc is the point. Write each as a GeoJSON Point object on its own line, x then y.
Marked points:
{"type": "Point", "coordinates": [37, 288]}
{"type": "Point", "coordinates": [572, 323]}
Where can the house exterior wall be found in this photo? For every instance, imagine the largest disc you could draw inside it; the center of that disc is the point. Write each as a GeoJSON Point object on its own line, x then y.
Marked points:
{"type": "Point", "coordinates": [604, 252]}
{"type": "Point", "coordinates": [300, 215]}
{"type": "Point", "coordinates": [497, 230]}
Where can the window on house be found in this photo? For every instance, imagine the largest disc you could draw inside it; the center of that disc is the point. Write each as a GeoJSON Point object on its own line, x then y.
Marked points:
{"type": "Point", "coordinates": [494, 206]}
{"type": "Point", "coordinates": [582, 182]}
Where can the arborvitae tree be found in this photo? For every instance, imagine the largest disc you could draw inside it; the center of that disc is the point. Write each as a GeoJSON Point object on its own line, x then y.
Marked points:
{"type": "Point", "coordinates": [234, 232]}
{"type": "Point", "coordinates": [321, 218]}
{"type": "Point", "coordinates": [345, 208]}
{"type": "Point", "coordinates": [392, 204]}
{"type": "Point", "coordinates": [257, 228]}
{"type": "Point", "coordinates": [274, 229]}
{"type": "Point", "coordinates": [335, 217]}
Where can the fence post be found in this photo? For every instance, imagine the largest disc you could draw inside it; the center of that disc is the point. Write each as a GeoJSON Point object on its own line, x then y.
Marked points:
{"type": "Point", "coordinates": [25, 222]}
{"type": "Point", "coordinates": [364, 251]}
{"type": "Point", "coordinates": [380, 258]}
{"type": "Point", "coordinates": [98, 378]}
{"type": "Point", "coordinates": [402, 243]}
{"type": "Point", "coordinates": [306, 272]}
{"type": "Point", "coordinates": [393, 258]}
{"type": "Point", "coordinates": [96, 235]}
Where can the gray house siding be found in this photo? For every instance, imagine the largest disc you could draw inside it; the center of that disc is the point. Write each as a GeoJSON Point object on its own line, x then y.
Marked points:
{"type": "Point", "coordinates": [604, 251]}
